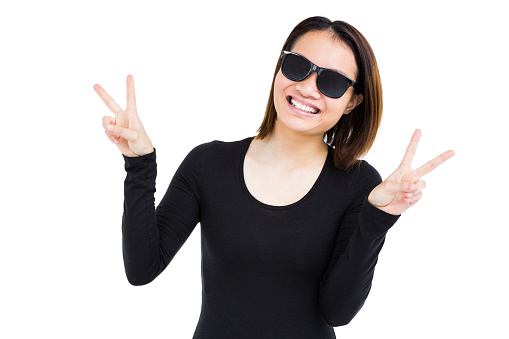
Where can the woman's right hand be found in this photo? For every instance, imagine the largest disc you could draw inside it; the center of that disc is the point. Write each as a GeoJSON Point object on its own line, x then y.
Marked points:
{"type": "Point", "coordinates": [125, 128]}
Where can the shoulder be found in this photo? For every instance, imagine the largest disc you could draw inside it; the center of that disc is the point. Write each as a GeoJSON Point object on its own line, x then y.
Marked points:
{"type": "Point", "coordinates": [361, 178]}
{"type": "Point", "coordinates": [220, 146]}
{"type": "Point", "coordinates": [365, 177]}
{"type": "Point", "coordinates": [359, 172]}
{"type": "Point", "coordinates": [208, 155]}
{"type": "Point", "coordinates": [218, 149]}
{"type": "Point", "coordinates": [227, 146]}
{"type": "Point", "coordinates": [366, 171]}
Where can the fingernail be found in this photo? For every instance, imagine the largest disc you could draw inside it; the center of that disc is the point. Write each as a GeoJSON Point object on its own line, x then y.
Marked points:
{"type": "Point", "coordinates": [413, 187]}
{"type": "Point", "coordinates": [110, 128]}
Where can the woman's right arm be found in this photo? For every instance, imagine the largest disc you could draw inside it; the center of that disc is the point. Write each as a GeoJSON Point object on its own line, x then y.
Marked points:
{"type": "Point", "coordinates": [150, 237]}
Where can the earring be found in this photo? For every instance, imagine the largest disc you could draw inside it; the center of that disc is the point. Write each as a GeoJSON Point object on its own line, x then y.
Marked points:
{"type": "Point", "coordinates": [334, 131]}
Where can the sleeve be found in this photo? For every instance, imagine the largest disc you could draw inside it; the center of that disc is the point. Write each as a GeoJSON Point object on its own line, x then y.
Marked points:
{"type": "Point", "coordinates": [152, 236]}
{"type": "Point", "coordinates": [361, 235]}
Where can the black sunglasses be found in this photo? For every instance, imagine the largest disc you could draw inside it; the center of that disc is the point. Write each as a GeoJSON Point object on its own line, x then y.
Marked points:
{"type": "Point", "coordinates": [331, 83]}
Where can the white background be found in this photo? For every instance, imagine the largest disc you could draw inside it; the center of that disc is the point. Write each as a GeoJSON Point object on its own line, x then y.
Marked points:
{"type": "Point", "coordinates": [202, 71]}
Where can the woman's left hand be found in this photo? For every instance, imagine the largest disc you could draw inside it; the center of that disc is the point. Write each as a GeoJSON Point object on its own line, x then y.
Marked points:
{"type": "Point", "coordinates": [403, 188]}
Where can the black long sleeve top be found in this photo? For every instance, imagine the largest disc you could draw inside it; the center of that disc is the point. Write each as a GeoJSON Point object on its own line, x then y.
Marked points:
{"type": "Point", "coordinates": [292, 271]}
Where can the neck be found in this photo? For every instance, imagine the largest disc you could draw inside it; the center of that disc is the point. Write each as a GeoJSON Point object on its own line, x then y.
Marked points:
{"type": "Point", "coordinates": [293, 147]}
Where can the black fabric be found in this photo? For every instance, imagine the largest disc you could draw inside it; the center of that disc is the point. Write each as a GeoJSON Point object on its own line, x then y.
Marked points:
{"type": "Point", "coordinates": [280, 272]}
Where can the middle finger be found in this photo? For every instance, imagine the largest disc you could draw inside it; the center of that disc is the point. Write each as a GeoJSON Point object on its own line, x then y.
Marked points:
{"type": "Point", "coordinates": [431, 165]}
{"type": "Point", "coordinates": [112, 105]}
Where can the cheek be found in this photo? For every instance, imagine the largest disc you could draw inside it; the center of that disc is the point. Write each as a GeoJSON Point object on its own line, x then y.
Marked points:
{"type": "Point", "coordinates": [338, 106]}
{"type": "Point", "coordinates": [334, 112]}
{"type": "Point", "coordinates": [335, 106]}
{"type": "Point", "coordinates": [280, 84]}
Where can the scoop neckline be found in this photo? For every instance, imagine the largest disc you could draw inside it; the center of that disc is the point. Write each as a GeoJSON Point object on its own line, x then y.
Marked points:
{"type": "Point", "coordinates": [282, 207]}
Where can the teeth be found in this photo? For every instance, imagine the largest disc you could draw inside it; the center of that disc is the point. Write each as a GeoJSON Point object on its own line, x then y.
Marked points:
{"type": "Point", "coordinates": [302, 107]}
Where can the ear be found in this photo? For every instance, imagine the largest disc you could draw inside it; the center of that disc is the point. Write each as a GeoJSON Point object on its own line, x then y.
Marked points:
{"type": "Point", "coordinates": [354, 101]}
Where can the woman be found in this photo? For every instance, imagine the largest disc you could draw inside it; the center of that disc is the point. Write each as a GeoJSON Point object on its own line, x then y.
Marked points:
{"type": "Point", "coordinates": [291, 221]}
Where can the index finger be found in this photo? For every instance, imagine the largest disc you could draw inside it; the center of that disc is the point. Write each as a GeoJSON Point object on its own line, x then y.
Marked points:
{"type": "Point", "coordinates": [131, 98]}
{"type": "Point", "coordinates": [112, 105]}
{"type": "Point", "coordinates": [411, 149]}
{"type": "Point", "coordinates": [431, 165]}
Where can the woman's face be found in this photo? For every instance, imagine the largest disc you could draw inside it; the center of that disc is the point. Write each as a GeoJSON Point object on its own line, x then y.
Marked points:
{"type": "Point", "coordinates": [323, 50]}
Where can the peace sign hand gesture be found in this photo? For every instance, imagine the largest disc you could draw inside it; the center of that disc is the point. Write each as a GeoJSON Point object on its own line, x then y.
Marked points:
{"type": "Point", "coordinates": [403, 187]}
{"type": "Point", "coordinates": [125, 129]}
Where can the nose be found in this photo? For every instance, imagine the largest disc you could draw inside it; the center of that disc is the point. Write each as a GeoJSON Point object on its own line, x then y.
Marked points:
{"type": "Point", "coordinates": [307, 87]}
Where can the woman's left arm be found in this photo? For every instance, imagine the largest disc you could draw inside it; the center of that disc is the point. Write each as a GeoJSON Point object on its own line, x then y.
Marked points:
{"type": "Point", "coordinates": [347, 282]}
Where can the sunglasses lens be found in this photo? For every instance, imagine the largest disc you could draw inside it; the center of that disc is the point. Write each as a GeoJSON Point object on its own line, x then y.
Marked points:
{"type": "Point", "coordinates": [332, 84]}
{"type": "Point", "coordinates": [295, 67]}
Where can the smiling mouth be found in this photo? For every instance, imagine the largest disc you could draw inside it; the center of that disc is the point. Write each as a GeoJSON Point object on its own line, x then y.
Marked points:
{"type": "Point", "coordinates": [302, 107]}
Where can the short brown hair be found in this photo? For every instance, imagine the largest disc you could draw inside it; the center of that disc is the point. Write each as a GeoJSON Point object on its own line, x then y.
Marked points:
{"type": "Point", "coordinates": [354, 134]}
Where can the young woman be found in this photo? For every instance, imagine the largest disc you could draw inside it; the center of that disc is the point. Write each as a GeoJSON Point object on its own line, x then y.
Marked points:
{"type": "Point", "coordinates": [292, 221]}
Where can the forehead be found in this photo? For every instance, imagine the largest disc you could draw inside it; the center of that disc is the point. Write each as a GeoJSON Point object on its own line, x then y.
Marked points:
{"type": "Point", "coordinates": [325, 50]}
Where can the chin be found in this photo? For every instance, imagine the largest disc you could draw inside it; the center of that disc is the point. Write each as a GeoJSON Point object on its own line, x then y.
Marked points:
{"type": "Point", "coordinates": [295, 125]}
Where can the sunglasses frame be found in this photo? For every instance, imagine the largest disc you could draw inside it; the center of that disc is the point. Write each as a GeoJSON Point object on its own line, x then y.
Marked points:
{"type": "Point", "coordinates": [319, 70]}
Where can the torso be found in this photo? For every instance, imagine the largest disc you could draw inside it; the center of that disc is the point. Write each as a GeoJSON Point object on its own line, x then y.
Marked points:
{"type": "Point", "coordinates": [262, 265]}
